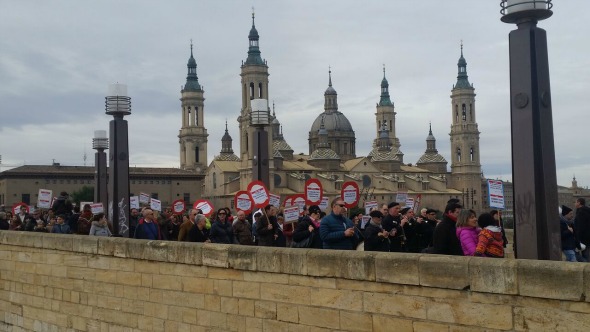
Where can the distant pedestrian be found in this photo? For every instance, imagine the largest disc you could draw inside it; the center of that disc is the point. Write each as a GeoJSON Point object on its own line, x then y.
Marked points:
{"type": "Point", "coordinates": [582, 224]}
{"type": "Point", "coordinates": [489, 242]}
{"type": "Point", "coordinates": [444, 238]}
{"type": "Point", "coordinates": [60, 226]}
{"type": "Point", "coordinates": [467, 231]}
{"type": "Point", "coordinates": [100, 226]}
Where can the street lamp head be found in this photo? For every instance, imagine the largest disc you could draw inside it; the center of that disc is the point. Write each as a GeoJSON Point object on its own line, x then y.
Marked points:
{"type": "Point", "coordinates": [100, 140]}
{"type": "Point", "coordinates": [117, 103]}
{"type": "Point", "coordinates": [518, 11]}
{"type": "Point", "coordinates": [260, 115]}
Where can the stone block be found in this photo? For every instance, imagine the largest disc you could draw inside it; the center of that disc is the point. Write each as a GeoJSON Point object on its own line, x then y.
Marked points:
{"type": "Point", "coordinates": [185, 253]}
{"type": "Point", "coordinates": [430, 327]}
{"type": "Point", "coordinates": [397, 268]}
{"type": "Point", "coordinates": [246, 289]}
{"type": "Point", "coordinates": [338, 299]}
{"type": "Point", "coordinates": [324, 263]}
{"type": "Point", "coordinates": [395, 305]}
{"type": "Point", "coordinates": [156, 251]}
{"type": "Point", "coordinates": [535, 319]}
{"type": "Point", "coordinates": [497, 276]}
{"type": "Point", "coordinates": [445, 271]}
{"type": "Point", "coordinates": [246, 307]}
{"type": "Point", "coordinates": [297, 280]}
{"type": "Point", "coordinates": [242, 257]}
{"type": "Point", "coordinates": [287, 312]}
{"type": "Point", "coordinates": [113, 246]}
{"type": "Point", "coordinates": [269, 259]}
{"type": "Point", "coordinates": [356, 321]}
{"type": "Point", "coordinates": [85, 244]}
{"type": "Point", "coordinates": [265, 309]}
{"type": "Point", "coordinates": [285, 293]}
{"type": "Point", "coordinates": [388, 323]}
{"type": "Point", "coordinates": [467, 313]}
{"type": "Point", "coordinates": [54, 241]}
{"type": "Point", "coordinates": [319, 317]}
{"type": "Point", "coordinates": [294, 261]}
{"type": "Point", "coordinates": [341, 264]}
{"type": "Point", "coordinates": [215, 254]}
{"type": "Point", "coordinates": [551, 280]}
{"type": "Point", "coordinates": [587, 282]}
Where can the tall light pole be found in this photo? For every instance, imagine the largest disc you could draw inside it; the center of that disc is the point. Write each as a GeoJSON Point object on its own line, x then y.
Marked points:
{"type": "Point", "coordinates": [260, 120]}
{"type": "Point", "coordinates": [118, 105]}
{"type": "Point", "coordinates": [100, 142]}
{"type": "Point", "coordinates": [537, 233]}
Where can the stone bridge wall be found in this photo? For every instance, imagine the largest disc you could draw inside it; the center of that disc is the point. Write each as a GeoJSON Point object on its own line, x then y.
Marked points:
{"type": "Point", "coordinates": [64, 283]}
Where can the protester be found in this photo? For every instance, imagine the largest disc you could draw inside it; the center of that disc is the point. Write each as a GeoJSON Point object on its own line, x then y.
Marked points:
{"type": "Point", "coordinates": [187, 225]}
{"type": "Point", "coordinates": [73, 219]}
{"type": "Point", "coordinates": [337, 231]}
{"type": "Point", "coordinates": [376, 238]}
{"type": "Point", "coordinates": [265, 228]}
{"type": "Point", "coordinates": [444, 238]}
{"type": "Point", "coordinates": [467, 231]}
{"type": "Point", "coordinates": [61, 227]}
{"type": "Point", "coordinates": [174, 227]}
{"type": "Point", "coordinates": [85, 220]}
{"type": "Point", "coordinates": [221, 229]}
{"type": "Point", "coordinates": [4, 224]}
{"type": "Point", "coordinates": [288, 229]}
{"type": "Point", "coordinates": [62, 206]}
{"type": "Point", "coordinates": [309, 227]}
{"type": "Point", "coordinates": [499, 222]}
{"type": "Point", "coordinates": [199, 233]}
{"type": "Point", "coordinates": [16, 224]}
{"type": "Point", "coordinates": [40, 227]}
{"type": "Point", "coordinates": [242, 229]}
{"type": "Point", "coordinates": [490, 242]}
{"type": "Point", "coordinates": [147, 227]}
{"type": "Point", "coordinates": [409, 226]}
{"type": "Point", "coordinates": [280, 239]}
{"type": "Point", "coordinates": [100, 226]}
{"type": "Point", "coordinates": [133, 221]}
{"type": "Point", "coordinates": [569, 242]}
{"type": "Point", "coordinates": [392, 223]}
{"type": "Point", "coordinates": [582, 223]}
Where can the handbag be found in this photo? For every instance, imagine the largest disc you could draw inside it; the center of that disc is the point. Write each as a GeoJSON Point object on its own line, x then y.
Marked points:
{"type": "Point", "coordinates": [306, 243]}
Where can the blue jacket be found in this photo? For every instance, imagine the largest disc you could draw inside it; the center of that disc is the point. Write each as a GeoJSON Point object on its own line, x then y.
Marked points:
{"type": "Point", "coordinates": [332, 233]}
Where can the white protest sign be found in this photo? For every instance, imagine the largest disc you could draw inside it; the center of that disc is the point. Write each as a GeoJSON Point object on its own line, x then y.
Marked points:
{"type": "Point", "coordinates": [370, 205]}
{"type": "Point", "coordinates": [410, 203]}
{"type": "Point", "coordinates": [134, 202]}
{"type": "Point", "coordinates": [324, 204]}
{"type": "Point", "coordinates": [82, 204]}
{"type": "Point", "coordinates": [291, 214]}
{"type": "Point", "coordinates": [155, 204]}
{"type": "Point", "coordinates": [258, 193]}
{"type": "Point", "coordinates": [299, 201]}
{"type": "Point", "coordinates": [364, 221]}
{"type": "Point", "coordinates": [496, 194]}
{"type": "Point", "coordinates": [275, 200]}
{"type": "Point", "coordinates": [401, 196]}
{"type": "Point", "coordinates": [242, 201]}
{"type": "Point", "coordinates": [350, 193]}
{"type": "Point", "coordinates": [313, 191]}
{"type": "Point", "coordinates": [44, 200]}
{"type": "Point", "coordinates": [96, 208]}
{"type": "Point", "coordinates": [144, 198]}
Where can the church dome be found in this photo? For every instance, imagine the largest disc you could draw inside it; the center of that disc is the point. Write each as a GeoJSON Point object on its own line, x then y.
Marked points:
{"type": "Point", "coordinates": [333, 121]}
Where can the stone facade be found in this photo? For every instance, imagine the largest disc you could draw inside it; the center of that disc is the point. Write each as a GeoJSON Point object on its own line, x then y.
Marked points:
{"type": "Point", "coordinates": [64, 283]}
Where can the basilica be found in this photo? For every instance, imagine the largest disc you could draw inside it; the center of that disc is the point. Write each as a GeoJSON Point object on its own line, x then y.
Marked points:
{"type": "Point", "coordinates": [332, 158]}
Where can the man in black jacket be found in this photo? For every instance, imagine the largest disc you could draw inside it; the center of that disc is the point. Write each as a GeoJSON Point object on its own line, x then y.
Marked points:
{"type": "Point", "coordinates": [392, 224]}
{"type": "Point", "coordinates": [444, 239]}
{"type": "Point", "coordinates": [582, 224]}
{"type": "Point", "coordinates": [376, 238]}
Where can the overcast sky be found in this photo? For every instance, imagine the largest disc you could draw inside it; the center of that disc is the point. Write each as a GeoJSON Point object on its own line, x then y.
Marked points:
{"type": "Point", "coordinates": [57, 59]}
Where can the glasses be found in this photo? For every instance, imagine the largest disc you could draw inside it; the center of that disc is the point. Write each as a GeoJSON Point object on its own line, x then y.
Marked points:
{"type": "Point", "coordinates": [340, 205]}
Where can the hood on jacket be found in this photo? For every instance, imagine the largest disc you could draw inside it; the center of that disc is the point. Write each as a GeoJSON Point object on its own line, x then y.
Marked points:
{"type": "Point", "coordinates": [494, 229]}
{"type": "Point", "coordinates": [96, 223]}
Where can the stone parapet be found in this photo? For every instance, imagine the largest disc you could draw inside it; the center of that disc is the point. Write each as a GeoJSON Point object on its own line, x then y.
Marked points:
{"type": "Point", "coordinates": [69, 282]}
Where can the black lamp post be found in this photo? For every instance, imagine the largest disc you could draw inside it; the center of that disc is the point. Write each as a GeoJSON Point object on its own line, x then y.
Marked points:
{"type": "Point", "coordinates": [100, 142]}
{"type": "Point", "coordinates": [533, 153]}
{"type": "Point", "coordinates": [118, 105]}
{"type": "Point", "coordinates": [260, 120]}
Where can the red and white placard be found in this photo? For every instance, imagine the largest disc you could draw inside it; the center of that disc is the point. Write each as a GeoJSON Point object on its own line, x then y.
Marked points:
{"type": "Point", "coordinates": [313, 192]}
{"type": "Point", "coordinates": [299, 201]}
{"type": "Point", "coordinates": [242, 201]}
{"type": "Point", "coordinates": [205, 206]}
{"type": "Point", "coordinates": [275, 200]}
{"type": "Point", "coordinates": [155, 204]}
{"type": "Point", "coordinates": [96, 208]}
{"type": "Point", "coordinates": [291, 214]}
{"type": "Point", "coordinates": [16, 207]}
{"type": "Point", "coordinates": [258, 194]}
{"type": "Point", "coordinates": [324, 204]}
{"type": "Point", "coordinates": [350, 193]}
{"type": "Point", "coordinates": [178, 206]}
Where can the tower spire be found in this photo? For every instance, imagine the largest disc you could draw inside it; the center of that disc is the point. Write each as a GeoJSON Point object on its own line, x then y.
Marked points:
{"type": "Point", "coordinates": [254, 51]}
{"type": "Point", "coordinates": [329, 76]}
{"type": "Point", "coordinates": [462, 78]}
{"type": "Point", "coordinates": [192, 80]}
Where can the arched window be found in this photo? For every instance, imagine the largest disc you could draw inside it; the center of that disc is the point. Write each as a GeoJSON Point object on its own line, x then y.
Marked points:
{"type": "Point", "coordinates": [196, 115]}
{"type": "Point", "coordinates": [471, 112]}
{"type": "Point", "coordinates": [197, 154]}
{"type": "Point", "coordinates": [472, 154]}
{"type": "Point", "coordinates": [456, 113]}
{"type": "Point", "coordinates": [214, 180]}
{"type": "Point", "coordinates": [251, 90]}
{"type": "Point", "coordinates": [463, 113]}
{"type": "Point", "coordinates": [366, 181]}
{"type": "Point", "coordinates": [390, 125]}
{"type": "Point", "coordinates": [278, 180]}
{"type": "Point", "coordinates": [459, 154]}
{"type": "Point", "coordinates": [260, 90]}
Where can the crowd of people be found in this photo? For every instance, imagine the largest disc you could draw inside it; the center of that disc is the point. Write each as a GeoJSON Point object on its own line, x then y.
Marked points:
{"type": "Point", "coordinates": [390, 228]}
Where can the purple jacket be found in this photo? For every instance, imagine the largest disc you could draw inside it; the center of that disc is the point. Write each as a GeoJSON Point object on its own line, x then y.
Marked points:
{"type": "Point", "coordinates": [468, 238]}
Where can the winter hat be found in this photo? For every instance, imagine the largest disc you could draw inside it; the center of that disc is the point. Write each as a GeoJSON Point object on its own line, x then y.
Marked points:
{"type": "Point", "coordinates": [314, 209]}
{"type": "Point", "coordinates": [376, 214]}
{"type": "Point", "coordinates": [404, 210]}
{"type": "Point", "coordinates": [565, 210]}
{"type": "Point", "coordinates": [392, 204]}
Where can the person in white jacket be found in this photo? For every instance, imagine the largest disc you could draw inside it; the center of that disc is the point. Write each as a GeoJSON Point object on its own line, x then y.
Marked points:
{"type": "Point", "coordinates": [100, 226]}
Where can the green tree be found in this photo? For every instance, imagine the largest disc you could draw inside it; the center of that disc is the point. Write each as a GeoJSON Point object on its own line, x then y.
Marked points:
{"type": "Point", "coordinates": [85, 194]}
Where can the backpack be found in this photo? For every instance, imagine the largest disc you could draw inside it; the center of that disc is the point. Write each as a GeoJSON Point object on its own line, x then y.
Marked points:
{"type": "Point", "coordinates": [84, 226]}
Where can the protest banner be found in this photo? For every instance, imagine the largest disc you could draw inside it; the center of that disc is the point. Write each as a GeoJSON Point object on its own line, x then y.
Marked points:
{"type": "Point", "coordinates": [242, 201]}
{"type": "Point", "coordinates": [370, 205]}
{"type": "Point", "coordinates": [350, 194]}
{"type": "Point", "coordinates": [313, 192]}
{"type": "Point", "coordinates": [291, 214]}
{"type": "Point", "coordinates": [410, 203]}
{"type": "Point", "coordinates": [96, 208]}
{"type": "Point", "coordinates": [44, 199]}
{"type": "Point", "coordinates": [205, 206]}
{"type": "Point", "coordinates": [16, 207]}
{"type": "Point", "coordinates": [401, 196]}
{"type": "Point", "coordinates": [417, 204]}
{"type": "Point", "coordinates": [155, 204]}
{"type": "Point", "coordinates": [324, 204]}
{"type": "Point", "coordinates": [288, 201]}
{"type": "Point", "coordinates": [134, 202]}
{"type": "Point", "coordinates": [258, 194]}
{"type": "Point", "coordinates": [275, 200]}
{"type": "Point", "coordinates": [144, 198]}
{"type": "Point", "coordinates": [82, 204]}
{"type": "Point", "coordinates": [178, 206]}
{"type": "Point", "coordinates": [299, 201]}
{"type": "Point", "coordinates": [496, 194]}
{"type": "Point", "coordinates": [364, 221]}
